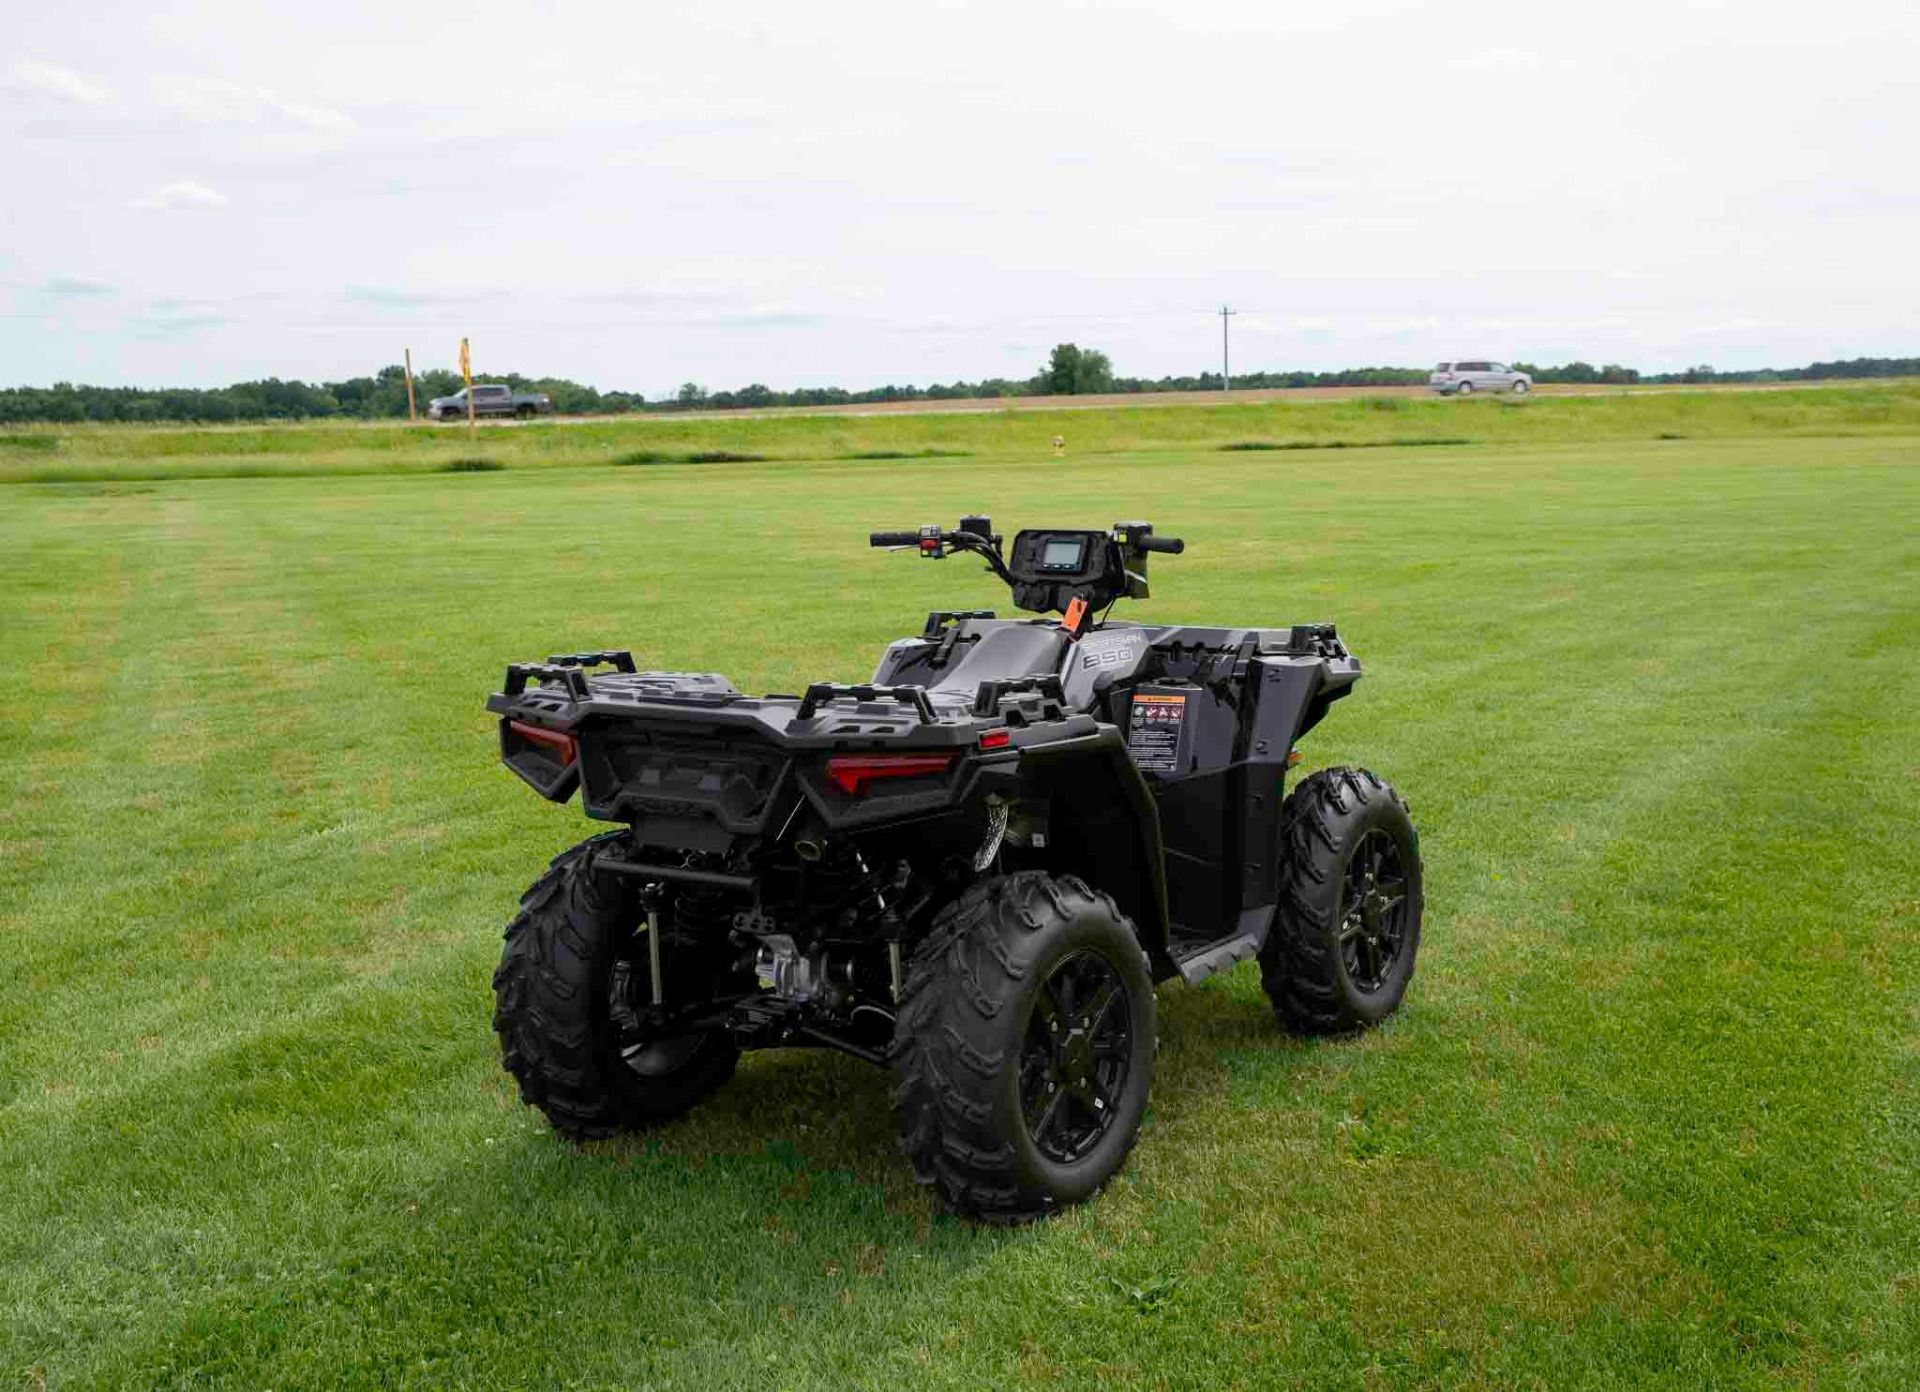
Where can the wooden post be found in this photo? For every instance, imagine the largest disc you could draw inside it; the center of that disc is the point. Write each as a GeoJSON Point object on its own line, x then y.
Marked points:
{"type": "Point", "coordinates": [412, 413]}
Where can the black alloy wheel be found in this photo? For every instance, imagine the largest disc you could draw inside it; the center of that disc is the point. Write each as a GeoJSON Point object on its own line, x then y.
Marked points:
{"type": "Point", "coordinates": [566, 1007]}
{"type": "Point", "coordinates": [1373, 922]}
{"type": "Point", "coordinates": [1024, 1046]}
{"type": "Point", "coordinates": [1077, 1051]}
{"type": "Point", "coordinates": [1346, 931]}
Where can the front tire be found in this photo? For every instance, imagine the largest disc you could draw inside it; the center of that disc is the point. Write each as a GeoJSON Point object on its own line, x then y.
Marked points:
{"type": "Point", "coordinates": [563, 1008]}
{"type": "Point", "coordinates": [1024, 1047]}
{"type": "Point", "coordinates": [1522, 388]}
{"type": "Point", "coordinates": [1347, 927]}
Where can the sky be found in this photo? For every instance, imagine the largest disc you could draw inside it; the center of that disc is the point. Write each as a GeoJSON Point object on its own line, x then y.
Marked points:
{"type": "Point", "coordinates": [637, 196]}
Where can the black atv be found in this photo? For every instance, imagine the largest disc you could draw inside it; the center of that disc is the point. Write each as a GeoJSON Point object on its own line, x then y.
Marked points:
{"type": "Point", "coordinates": [972, 870]}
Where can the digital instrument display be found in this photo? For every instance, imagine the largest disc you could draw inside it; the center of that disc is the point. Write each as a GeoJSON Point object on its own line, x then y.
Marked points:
{"type": "Point", "coordinates": [1063, 554]}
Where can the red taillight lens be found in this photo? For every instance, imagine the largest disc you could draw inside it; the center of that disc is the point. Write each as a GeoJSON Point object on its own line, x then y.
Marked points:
{"type": "Point", "coordinates": [996, 739]}
{"type": "Point", "coordinates": [562, 746]}
{"type": "Point", "coordinates": [851, 773]}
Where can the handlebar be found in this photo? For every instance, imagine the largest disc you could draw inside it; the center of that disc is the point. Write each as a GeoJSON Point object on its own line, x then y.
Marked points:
{"type": "Point", "coordinates": [1120, 570]}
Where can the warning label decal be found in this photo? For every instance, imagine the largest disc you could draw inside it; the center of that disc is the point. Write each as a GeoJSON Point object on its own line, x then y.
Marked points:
{"type": "Point", "coordinates": [1156, 729]}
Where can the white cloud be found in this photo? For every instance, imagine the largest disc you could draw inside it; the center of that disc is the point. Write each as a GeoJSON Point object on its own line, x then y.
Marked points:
{"type": "Point", "coordinates": [390, 297]}
{"type": "Point", "coordinates": [77, 287]}
{"type": "Point", "coordinates": [1498, 59]}
{"type": "Point", "coordinates": [182, 197]}
{"type": "Point", "coordinates": [179, 321]}
{"type": "Point", "coordinates": [52, 80]}
{"type": "Point", "coordinates": [312, 117]}
{"type": "Point", "coordinates": [216, 101]}
{"type": "Point", "coordinates": [1399, 326]}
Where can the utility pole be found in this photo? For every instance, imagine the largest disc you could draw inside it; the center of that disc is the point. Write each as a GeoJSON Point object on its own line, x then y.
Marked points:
{"type": "Point", "coordinates": [412, 414]}
{"type": "Point", "coordinates": [1226, 369]}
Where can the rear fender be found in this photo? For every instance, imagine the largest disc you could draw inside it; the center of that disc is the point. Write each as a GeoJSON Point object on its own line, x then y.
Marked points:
{"type": "Point", "coordinates": [1104, 826]}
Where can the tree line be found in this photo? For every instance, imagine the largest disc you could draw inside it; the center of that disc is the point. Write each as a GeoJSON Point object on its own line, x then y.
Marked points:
{"type": "Point", "coordinates": [382, 396]}
{"type": "Point", "coordinates": [1069, 371]}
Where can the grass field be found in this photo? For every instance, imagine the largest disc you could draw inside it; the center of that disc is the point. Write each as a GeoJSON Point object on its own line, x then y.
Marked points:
{"type": "Point", "coordinates": [100, 453]}
{"type": "Point", "coordinates": [1649, 1118]}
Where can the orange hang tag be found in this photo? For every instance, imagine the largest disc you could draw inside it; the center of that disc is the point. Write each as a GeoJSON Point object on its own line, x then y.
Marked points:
{"type": "Point", "coordinates": [1075, 616]}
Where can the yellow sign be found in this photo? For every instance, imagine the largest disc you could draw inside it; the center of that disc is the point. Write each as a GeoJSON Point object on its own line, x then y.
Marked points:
{"type": "Point", "coordinates": [466, 371]}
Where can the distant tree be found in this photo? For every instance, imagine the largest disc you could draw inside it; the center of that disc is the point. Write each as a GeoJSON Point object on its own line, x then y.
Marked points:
{"type": "Point", "coordinates": [1578, 371]}
{"type": "Point", "coordinates": [1076, 371]}
{"type": "Point", "coordinates": [1070, 370]}
{"type": "Point", "coordinates": [1094, 375]}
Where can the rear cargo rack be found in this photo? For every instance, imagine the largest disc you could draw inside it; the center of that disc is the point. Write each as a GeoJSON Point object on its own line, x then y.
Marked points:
{"type": "Point", "coordinates": [824, 693]}
{"type": "Point", "coordinates": [617, 658]}
{"type": "Point", "coordinates": [567, 670]}
{"type": "Point", "coordinates": [572, 678]}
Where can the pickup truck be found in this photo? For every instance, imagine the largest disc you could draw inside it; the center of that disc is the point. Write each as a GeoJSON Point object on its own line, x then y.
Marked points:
{"type": "Point", "coordinates": [489, 400]}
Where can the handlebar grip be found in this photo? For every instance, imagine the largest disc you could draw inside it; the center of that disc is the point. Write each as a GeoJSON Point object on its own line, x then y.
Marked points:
{"type": "Point", "coordinates": [893, 539]}
{"type": "Point", "coordinates": [1173, 546]}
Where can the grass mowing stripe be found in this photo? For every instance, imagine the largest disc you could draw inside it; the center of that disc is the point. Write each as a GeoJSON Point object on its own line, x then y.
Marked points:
{"type": "Point", "coordinates": [1561, 643]}
{"type": "Point", "coordinates": [1383, 1151]}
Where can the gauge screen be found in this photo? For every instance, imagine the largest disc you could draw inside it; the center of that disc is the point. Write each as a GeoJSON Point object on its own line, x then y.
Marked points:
{"type": "Point", "coordinates": [1063, 555]}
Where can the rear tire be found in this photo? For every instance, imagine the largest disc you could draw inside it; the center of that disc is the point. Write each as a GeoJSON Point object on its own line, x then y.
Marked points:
{"type": "Point", "coordinates": [1024, 1047]}
{"type": "Point", "coordinates": [561, 1008]}
{"type": "Point", "coordinates": [1464, 389]}
{"type": "Point", "coordinates": [1347, 928]}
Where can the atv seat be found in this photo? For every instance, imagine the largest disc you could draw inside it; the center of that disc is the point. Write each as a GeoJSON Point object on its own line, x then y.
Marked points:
{"type": "Point", "coordinates": [1003, 652]}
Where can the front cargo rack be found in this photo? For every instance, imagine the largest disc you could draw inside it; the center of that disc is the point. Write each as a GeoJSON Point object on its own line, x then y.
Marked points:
{"type": "Point", "coordinates": [1045, 696]}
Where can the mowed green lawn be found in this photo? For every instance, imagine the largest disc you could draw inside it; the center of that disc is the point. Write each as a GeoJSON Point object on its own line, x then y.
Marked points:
{"type": "Point", "coordinates": [1647, 1120]}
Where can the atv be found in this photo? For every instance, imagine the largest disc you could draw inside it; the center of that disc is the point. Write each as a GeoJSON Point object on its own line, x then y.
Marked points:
{"type": "Point", "coordinates": [973, 869]}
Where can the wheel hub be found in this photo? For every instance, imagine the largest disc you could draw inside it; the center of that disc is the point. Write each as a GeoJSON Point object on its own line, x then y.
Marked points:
{"type": "Point", "coordinates": [1075, 1065]}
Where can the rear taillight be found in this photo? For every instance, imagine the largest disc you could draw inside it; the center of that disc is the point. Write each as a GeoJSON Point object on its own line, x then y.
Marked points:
{"type": "Point", "coordinates": [851, 773]}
